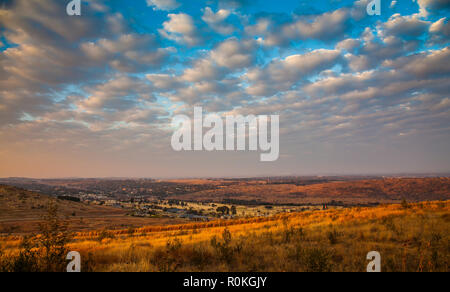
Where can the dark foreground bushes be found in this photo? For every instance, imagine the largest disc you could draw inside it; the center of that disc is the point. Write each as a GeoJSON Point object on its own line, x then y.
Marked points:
{"type": "Point", "coordinates": [43, 253]}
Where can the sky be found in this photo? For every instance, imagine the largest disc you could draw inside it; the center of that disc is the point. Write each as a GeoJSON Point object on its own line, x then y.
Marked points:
{"type": "Point", "coordinates": [94, 95]}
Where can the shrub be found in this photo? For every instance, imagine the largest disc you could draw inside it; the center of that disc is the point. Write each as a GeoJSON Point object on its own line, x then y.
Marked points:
{"type": "Point", "coordinates": [4, 263]}
{"type": "Point", "coordinates": [169, 259]}
{"type": "Point", "coordinates": [54, 237]}
{"type": "Point", "coordinates": [317, 260]}
{"type": "Point", "coordinates": [200, 257]}
{"type": "Point", "coordinates": [27, 260]}
{"type": "Point", "coordinates": [405, 204]}
{"type": "Point", "coordinates": [105, 234]}
{"type": "Point", "coordinates": [333, 236]}
{"type": "Point", "coordinates": [45, 252]}
{"type": "Point", "coordinates": [223, 247]}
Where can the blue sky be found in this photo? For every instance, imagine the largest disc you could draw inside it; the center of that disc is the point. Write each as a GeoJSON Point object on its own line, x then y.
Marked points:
{"type": "Point", "coordinates": [93, 95]}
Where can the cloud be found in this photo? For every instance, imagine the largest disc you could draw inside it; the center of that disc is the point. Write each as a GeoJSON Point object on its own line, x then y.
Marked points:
{"type": "Point", "coordinates": [212, 79]}
{"type": "Point", "coordinates": [203, 69]}
{"type": "Point", "coordinates": [52, 52]}
{"type": "Point", "coordinates": [118, 94]}
{"type": "Point", "coordinates": [217, 20]}
{"type": "Point", "coordinates": [164, 81]}
{"type": "Point", "coordinates": [127, 53]}
{"type": "Point", "coordinates": [234, 53]}
{"type": "Point", "coordinates": [429, 64]}
{"type": "Point", "coordinates": [44, 22]}
{"type": "Point", "coordinates": [235, 4]}
{"type": "Point", "coordinates": [378, 104]}
{"type": "Point", "coordinates": [376, 47]}
{"type": "Point", "coordinates": [106, 84]}
{"type": "Point", "coordinates": [15, 105]}
{"type": "Point", "coordinates": [181, 28]}
{"type": "Point", "coordinates": [433, 6]}
{"type": "Point", "coordinates": [441, 26]}
{"type": "Point", "coordinates": [165, 5]}
{"type": "Point", "coordinates": [348, 44]}
{"type": "Point", "coordinates": [405, 26]}
{"type": "Point", "coordinates": [326, 26]}
{"type": "Point", "coordinates": [440, 31]}
{"type": "Point", "coordinates": [285, 73]}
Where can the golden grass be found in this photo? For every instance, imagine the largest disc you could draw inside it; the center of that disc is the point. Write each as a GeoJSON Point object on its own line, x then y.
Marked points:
{"type": "Point", "coordinates": [415, 238]}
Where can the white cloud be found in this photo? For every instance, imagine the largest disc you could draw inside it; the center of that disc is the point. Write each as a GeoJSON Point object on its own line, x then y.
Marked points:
{"type": "Point", "coordinates": [441, 27]}
{"type": "Point", "coordinates": [429, 64]}
{"type": "Point", "coordinates": [326, 26]}
{"type": "Point", "coordinates": [127, 53]}
{"type": "Point", "coordinates": [399, 25]}
{"type": "Point", "coordinates": [203, 69]}
{"type": "Point", "coordinates": [431, 6]}
{"type": "Point", "coordinates": [120, 93]}
{"type": "Point", "coordinates": [164, 81]}
{"type": "Point", "coordinates": [234, 54]}
{"type": "Point", "coordinates": [181, 28]}
{"type": "Point", "coordinates": [281, 75]}
{"type": "Point", "coordinates": [348, 44]}
{"type": "Point", "coordinates": [217, 20]}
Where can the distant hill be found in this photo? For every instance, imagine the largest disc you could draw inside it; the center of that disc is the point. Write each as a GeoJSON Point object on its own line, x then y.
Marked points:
{"type": "Point", "coordinates": [390, 190]}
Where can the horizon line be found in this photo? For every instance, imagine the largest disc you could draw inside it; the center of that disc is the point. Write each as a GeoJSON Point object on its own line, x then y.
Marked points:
{"type": "Point", "coordinates": [403, 174]}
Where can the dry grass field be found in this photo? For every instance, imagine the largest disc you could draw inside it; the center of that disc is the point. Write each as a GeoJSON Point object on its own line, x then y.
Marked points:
{"type": "Point", "coordinates": [410, 237]}
{"type": "Point", "coordinates": [21, 212]}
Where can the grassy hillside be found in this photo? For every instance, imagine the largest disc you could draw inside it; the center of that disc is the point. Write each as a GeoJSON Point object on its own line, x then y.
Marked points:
{"type": "Point", "coordinates": [16, 204]}
{"type": "Point", "coordinates": [21, 211]}
{"type": "Point", "coordinates": [412, 237]}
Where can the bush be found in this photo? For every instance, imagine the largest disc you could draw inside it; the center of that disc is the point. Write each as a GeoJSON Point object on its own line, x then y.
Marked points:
{"type": "Point", "coordinates": [4, 264]}
{"type": "Point", "coordinates": [28, 259]}
{"type": "Point", "coordinates": [317, 260]}
{"type": "Point", "coordinates": [200, 257]}
{"type": "Point", "coordinates": [45, 252]}
{"type": "Point", "coordinates": [105, 234]}
{"type": "Point", "coordinates": [54, 237]}
{"type": "Point", "coordinates": [223, 247]}
{"type": "Point", "coordinates": [405, 204]}
{"type": "Point", "coordinates": [333, 236]}
{"type": "Point", "coordinates": [169, 259]}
